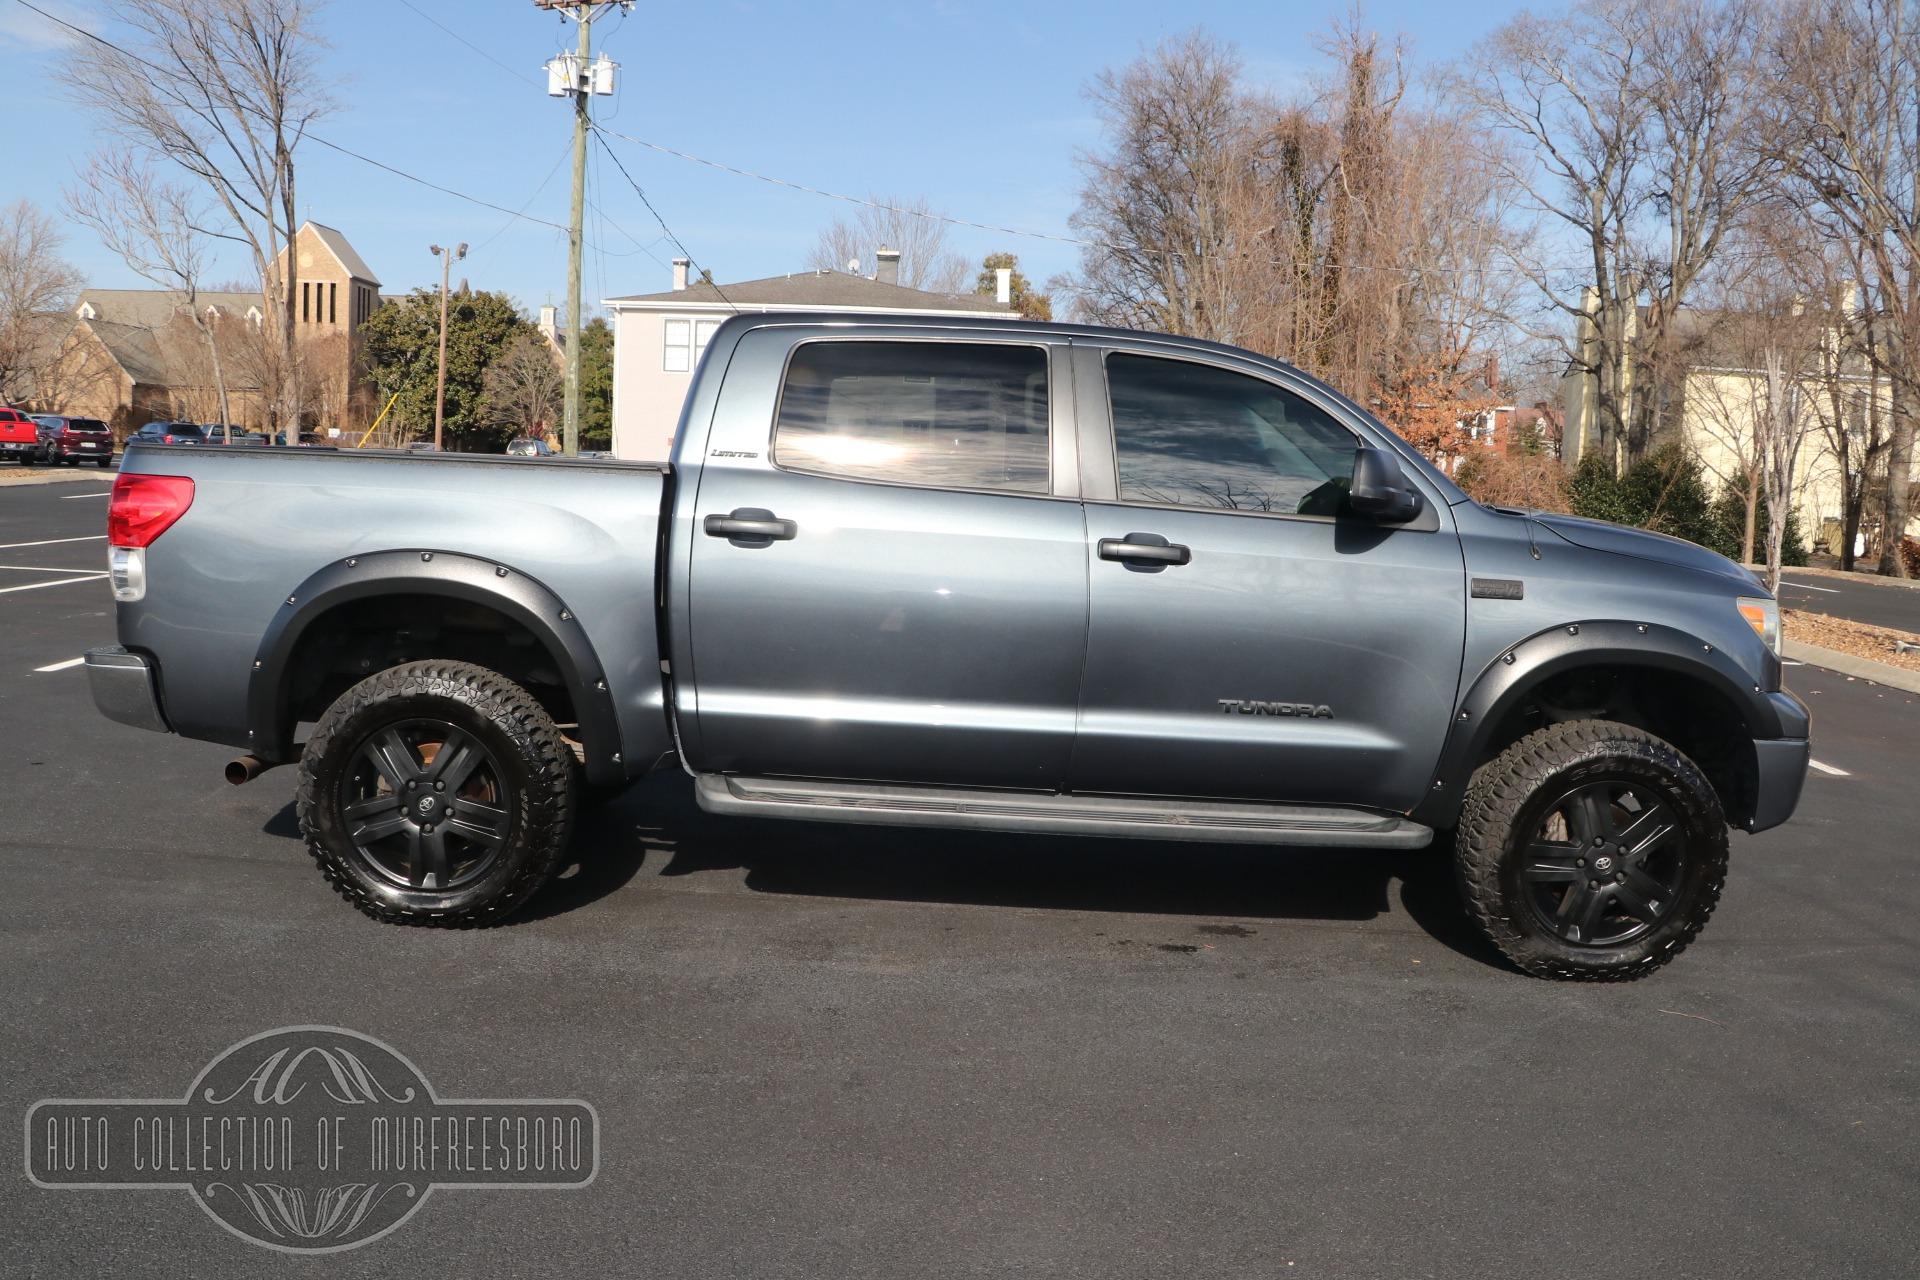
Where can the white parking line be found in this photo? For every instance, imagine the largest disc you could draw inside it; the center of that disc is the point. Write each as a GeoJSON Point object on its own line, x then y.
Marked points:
{"type": "Point", "coordinates": [46, 568]}
{"type": "Point", "coordinates": [69, 497]}
{"type": "Point", "coordinates": [1832, 591]}
{"type": "Point", "coordinates": [58, 582]}
{"type": "Point", "coordinates": [48, 542]}
{"type": "Point", "coordinates": [1829, 769]}
{"type": "Point", "coordinates": [60, 666]}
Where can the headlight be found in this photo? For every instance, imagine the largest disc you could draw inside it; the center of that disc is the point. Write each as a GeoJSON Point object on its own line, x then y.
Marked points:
{"type": "Point", "coordinates": [1764, 617]}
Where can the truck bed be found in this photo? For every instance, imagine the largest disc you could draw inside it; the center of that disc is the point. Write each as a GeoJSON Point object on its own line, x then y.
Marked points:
{"type": "Point", "coordinates": [264, 521]}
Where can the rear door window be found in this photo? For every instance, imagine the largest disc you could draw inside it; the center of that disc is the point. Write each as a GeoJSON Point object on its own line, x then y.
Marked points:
{"type": "Point", "coordinates": [948, 415]}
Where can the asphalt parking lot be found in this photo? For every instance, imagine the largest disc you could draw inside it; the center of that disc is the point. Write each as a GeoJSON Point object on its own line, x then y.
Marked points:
{"type": "Point", "coordinates": [1883, 604]}
{"type": "Point", "coordinates": [859, 1052]}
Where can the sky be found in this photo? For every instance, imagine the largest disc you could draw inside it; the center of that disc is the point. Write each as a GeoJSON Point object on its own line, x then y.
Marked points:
{"type": "Point", "coordinates": [977, 107]}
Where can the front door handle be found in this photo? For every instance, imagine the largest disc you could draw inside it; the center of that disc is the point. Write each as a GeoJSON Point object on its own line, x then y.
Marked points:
{"type": "Point", "coordinates": [750, 524]}
{"type": "Point", "coordinates": [1144, 549]}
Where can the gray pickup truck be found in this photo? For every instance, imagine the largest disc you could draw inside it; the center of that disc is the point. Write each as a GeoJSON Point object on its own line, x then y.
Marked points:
{"type": "Point", "coordinates": [995, 575]}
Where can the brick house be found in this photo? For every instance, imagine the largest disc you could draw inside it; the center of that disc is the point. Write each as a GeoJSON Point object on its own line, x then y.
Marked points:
{"type": "Point", "coordinates": [129, 356]}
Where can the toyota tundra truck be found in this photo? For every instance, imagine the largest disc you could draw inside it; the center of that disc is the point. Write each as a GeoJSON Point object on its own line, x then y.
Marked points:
{"type": "Point", "coordinates": [988, 574]}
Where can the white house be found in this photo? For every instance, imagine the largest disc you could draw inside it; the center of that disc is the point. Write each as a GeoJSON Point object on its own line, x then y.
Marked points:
{"type": "Point", "coordinates": [658, 337]}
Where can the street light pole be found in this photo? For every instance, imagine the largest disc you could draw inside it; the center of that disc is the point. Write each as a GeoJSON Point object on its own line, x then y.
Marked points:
{"type": "Point", "coordinates": [447, 258]}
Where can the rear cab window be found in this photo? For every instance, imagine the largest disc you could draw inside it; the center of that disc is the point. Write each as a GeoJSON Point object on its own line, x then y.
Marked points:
{"type": "Point", "coordinates": [945, 415]}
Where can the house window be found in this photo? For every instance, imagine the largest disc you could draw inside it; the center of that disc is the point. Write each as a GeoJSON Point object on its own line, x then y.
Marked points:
{"type": "Point", "coordinates": [333, 299]}
{"type": "Point", "coordinates": [702, 330]}
{"type": "Point", "coordinates": [306, 310]}
{"type": "Point", "coordinates": [677, 356]}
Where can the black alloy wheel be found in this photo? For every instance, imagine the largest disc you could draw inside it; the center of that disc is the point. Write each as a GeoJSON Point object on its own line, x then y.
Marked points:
{"type": "Point", "coordinates": [437, 793]}
{"type": "Point", "coordinates": [1591, 850]}
{"type": "Point", "coordinates": [426, 804]}
{"type": "Point", "coordinates": [1606, 862]}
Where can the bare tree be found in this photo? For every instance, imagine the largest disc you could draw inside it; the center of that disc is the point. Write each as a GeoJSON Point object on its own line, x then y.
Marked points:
{"type": "Point", "coordinates": [36, 284]}
{"type": "Point", "coordinates": [223, 90]}
{"type": "Point", "coordinates": [1328, 229]}
{"type": "Point", "coordinates": [1164, 202]}
{"type": "Point", "coordinates": [523, 386]}
{"type": "Point", "coordinates": [1636, 123]}
{"type": "Point", "coordinates": [1848, 129]}
{"type": "Point", "coordinates": [906, 225]}
{"type": "Point", "coordinates": [153, 226]}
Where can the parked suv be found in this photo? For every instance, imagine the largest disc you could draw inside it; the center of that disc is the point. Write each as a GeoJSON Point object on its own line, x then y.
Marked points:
{"type": "Point", "coordinates": [169, 433]}
{"type": "Point", "coordinates": [72, 441]}
{"type": "Point", "coordinates": [528, 447]}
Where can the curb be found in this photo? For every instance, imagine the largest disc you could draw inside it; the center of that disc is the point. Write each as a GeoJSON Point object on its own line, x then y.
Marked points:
{"type": "Point", "coordinates": [33, 479]}
{"type": "Point", "coordinates": [1848, 665]}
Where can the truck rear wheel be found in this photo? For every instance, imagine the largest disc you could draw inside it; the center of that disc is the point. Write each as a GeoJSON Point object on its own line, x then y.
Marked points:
{"type": "Point", "coordinates": [1591, 851]}
{"type": "Point", "coordinates": [436, 793]}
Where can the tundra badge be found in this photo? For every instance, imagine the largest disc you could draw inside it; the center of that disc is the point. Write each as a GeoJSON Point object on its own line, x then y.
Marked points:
{"type": "Point", "coordinates": [1248, 707]}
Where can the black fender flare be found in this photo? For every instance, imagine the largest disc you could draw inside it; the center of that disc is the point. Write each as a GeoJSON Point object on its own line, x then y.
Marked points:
{"type": "Point", "coordinates": [1520, 669]}
{"type": "Point", "coordinates": [435, 573]}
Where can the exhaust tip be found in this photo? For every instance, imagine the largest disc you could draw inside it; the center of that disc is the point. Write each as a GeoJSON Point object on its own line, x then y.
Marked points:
{"type": "Point", "coordinates": [245, 769]}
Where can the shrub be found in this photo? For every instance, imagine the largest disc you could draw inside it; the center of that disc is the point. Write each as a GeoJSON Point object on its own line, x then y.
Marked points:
{"type": "Point", "coordinates": [1667, 493]}
{"type": "Point", "coordinates": [1530, 480]}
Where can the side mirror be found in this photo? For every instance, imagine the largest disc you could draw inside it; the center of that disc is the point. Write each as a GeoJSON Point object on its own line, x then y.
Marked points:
{"type": "Point", "coordinates": [1379, 490]}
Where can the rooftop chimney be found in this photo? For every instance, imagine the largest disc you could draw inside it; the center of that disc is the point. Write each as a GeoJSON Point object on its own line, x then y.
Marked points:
{"type": "Point", "coordinates": [1003, 286]}
{"type": "Point", "coordinates": [886, 266]}
{"type": "Point", "coordinates": [680, 266]}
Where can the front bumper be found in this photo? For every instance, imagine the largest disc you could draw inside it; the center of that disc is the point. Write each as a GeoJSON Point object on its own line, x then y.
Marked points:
{"type": "Point", "coordinates": [1780, 772]}
{"type": "Point", "coordinates": [1780, 763]}
{"type": "Point", "coordinates": [126, 688]}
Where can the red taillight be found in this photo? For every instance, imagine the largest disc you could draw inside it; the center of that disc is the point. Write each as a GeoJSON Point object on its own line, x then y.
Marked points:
{"type": "Point", "coordinates": [144, 507]}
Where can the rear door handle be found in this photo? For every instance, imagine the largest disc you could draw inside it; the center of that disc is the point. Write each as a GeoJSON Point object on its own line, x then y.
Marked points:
{"type": "Point", "coordinates": [1144, 548]}
{"type": "Point", "coordinates": [750, 524]}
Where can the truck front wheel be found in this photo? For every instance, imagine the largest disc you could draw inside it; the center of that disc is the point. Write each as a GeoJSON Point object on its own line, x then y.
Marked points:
{"type": "Point", "coordinates": [436, 793]}
{"type": "Point", "coordinates": [1591, 850]}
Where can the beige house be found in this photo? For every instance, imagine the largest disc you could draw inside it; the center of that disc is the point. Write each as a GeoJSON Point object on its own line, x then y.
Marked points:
{"type": "Point", "coordinates": [658, 338]}
{"type": "Point", "coordinates": [1727, 373]}
{"type": "Point", "coordinates": [129, 356]}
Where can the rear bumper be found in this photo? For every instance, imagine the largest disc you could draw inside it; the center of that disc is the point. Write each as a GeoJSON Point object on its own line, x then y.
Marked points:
{"type": "Point", "coordinates": [1780, 773]}
{"type": "Point", "coordinates": [126, 688]}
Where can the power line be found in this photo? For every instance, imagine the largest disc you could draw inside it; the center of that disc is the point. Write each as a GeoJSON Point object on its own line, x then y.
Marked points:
{"type": "Point", "coordinates": [518, 75]}
{"type": "Point", "coordinates": [304, 133]}
{"type": "Point", "coordinates": [932, 216]}
{"type": "Point", "coordinates": [560, 160]}
{"type": "Point", "coordinates": [705, 276]}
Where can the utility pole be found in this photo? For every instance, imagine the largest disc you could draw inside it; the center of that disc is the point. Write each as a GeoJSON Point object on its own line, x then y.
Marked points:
{"type": "Point", "coordinates": [577, 76]}
{"type": "Point", "coordinates": [447, 258]}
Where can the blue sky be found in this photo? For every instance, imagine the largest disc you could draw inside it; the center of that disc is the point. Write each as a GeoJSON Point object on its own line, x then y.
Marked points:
{"type": "Point", "coordinates": [978, 107]}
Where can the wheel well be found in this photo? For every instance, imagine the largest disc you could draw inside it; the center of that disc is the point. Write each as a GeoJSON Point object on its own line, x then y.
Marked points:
{"type": "Point", "coordinates": [1684, 710]}
{"type": "Point", "coordinates": [351, 641]}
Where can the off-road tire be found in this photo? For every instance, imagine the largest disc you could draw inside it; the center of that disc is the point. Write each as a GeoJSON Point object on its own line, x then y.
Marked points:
{"type": "Point", "coordinates": [536, 760]}
{"type": "Point", "coordinates": [1508, 790]}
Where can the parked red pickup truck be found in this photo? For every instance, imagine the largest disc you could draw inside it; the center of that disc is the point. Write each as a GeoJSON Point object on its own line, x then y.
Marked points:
{"type": "Point", "coordinates": [19, 436]}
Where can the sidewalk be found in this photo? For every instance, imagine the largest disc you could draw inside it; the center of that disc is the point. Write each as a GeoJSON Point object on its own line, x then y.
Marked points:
{"type": "Point", "coordinates": [20, 477]}
{"type": "Point", "coordinates": [1848, 665]}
